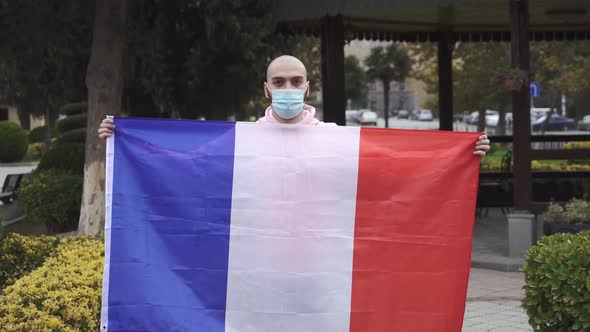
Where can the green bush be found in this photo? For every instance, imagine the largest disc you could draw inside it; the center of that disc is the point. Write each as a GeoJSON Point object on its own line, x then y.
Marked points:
{"type": "Point", "coordinates": [66, 157]}
{"type": "Point", "coordinates": [557, 288]}
{"type": "Point", "coordinates": [73, 108]}
{"type": "Point", "coordinates": [52, 198]}
{"type": "Point", "coordinates": [20, 255]}
{"type": "Point", "coordinates": [71, 122]}
{"type": "Point", "coordinates": [35, 151]}
{"type": "Point", "coordinates": [74, 135]}
{"type": "Point", "coordinates": [13, 142]}
{"type": "Point", "coordinates": [64, 294]}
{"type": "Point", "coordinates": [40, 133]}
{"type": "Point", "coordinates": [575, 211]}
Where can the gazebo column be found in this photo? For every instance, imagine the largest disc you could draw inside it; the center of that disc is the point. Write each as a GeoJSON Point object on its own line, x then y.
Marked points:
{"type": "Point", "coordinates": [333, 95]}
{"type": "Point", "coordinates": [445, 81]}
{"type": "Point", "coordinates": [520, 223]}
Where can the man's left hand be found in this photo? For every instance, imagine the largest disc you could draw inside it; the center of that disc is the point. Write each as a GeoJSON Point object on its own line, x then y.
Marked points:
{"type": "Point", "coordinates": [482, 146]}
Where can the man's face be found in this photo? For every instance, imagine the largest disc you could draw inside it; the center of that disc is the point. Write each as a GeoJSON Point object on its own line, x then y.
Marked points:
{"type": "Point", "coordinates": [286, 75]}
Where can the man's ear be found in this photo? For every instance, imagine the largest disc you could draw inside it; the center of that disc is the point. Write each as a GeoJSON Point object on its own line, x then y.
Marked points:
{"type": "Point", "coordinates": [308, 88]}
{"type": "Point", "coordinates": [266, 91]}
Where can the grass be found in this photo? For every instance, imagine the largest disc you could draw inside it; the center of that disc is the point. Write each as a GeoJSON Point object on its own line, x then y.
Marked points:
{"type": "Point", "coordinates": [496, 154]}
{"type": "Point", "coordinates": [25, 228]}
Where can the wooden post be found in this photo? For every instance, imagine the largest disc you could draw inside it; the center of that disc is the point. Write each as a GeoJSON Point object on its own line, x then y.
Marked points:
{"type": "Point", "coordinates": [519, 24]}
{"type": "Point", "coordinates": [445, 81]}
{"type": "Point", "coordinates": [332, 40]}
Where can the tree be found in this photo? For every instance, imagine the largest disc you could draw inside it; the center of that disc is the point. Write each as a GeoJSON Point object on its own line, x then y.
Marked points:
{"type": "Point", "coordinates": [43, 55]}
{"type": "Point", "coordinates": [198, 58]}
{"type": "Point", "coordinates": [105, 81]}
{"type": "Point", "coordinates": [391, 64]}
{"type": "Point", "coordinates": [561, 68]}
{"type": "Point", "coordinates": [475, 84]}
{"type": "Point", "coordinates": [356, 82]}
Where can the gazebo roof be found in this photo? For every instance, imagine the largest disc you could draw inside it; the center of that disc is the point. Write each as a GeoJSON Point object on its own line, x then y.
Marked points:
{"type": "Point", "coordinates": [423, 20]}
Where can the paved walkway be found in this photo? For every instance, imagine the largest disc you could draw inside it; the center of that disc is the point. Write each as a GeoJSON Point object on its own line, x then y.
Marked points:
{"type": "Point", "coordinates": [493, 302]}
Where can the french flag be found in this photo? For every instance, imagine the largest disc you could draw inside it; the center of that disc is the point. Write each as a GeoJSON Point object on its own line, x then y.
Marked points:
{"type": "Point", "coordinates": [223, 226]}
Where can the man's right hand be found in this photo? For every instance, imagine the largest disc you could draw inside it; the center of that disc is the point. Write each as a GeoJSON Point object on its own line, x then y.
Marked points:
{"type": "Point", "coordinates": [105, 130]}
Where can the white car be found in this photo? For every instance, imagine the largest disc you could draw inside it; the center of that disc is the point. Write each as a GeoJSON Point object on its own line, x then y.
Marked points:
{"type": "Point", "coordinates": [492, 118]}
{"type": "Point", "coordinates": [424, 115]}
{"type": "Point", "coordinates": [368, 117]}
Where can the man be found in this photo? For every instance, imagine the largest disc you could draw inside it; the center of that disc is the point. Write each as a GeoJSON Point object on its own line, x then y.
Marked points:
{"type": "Point", "coordinates": [287, 88]}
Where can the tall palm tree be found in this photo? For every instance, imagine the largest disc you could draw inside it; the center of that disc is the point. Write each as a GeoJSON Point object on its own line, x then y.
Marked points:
{"type": "Point", "coordinates": [390, 64]}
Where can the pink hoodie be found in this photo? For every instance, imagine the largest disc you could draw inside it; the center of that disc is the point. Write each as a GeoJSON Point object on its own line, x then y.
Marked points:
{"type": "Point", "coordinates": [308, 117]}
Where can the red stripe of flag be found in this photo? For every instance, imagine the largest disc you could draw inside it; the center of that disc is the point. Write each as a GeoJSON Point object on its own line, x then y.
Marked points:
{"type": "Point", "coordinates": [414, 223]}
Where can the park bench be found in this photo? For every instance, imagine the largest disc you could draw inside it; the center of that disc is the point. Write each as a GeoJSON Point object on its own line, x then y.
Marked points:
{"type": "Point", "coordinates": [10, 187]}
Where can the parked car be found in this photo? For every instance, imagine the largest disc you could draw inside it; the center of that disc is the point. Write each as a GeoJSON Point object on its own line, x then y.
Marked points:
{"type": "Point", "coordinates": [461, 117]}
{"type": "Point", "coordinates": [492, 118]}
{"type": "Point", "coordinates": [556, 123]}
{"type": "Point", "coordinates": [584, 124]}
{"type": "Point", "coordinates": [353, 116]}
{"type": "Point", "coordinates": [403, 114]}
{"type": "Point", "coordinates": [424, 115]}
{"type": "Point", "coordinates": [368, 117]}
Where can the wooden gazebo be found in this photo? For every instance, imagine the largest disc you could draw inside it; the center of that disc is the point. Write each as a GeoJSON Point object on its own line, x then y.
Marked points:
{"type": "Point", "coordinates": [444, 22]}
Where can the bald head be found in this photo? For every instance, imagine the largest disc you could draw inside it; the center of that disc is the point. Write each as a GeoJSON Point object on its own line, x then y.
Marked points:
{"type": "Point", "coordinates": [285, 63]}
{"type": "Point", "coordinates": [286, 72]}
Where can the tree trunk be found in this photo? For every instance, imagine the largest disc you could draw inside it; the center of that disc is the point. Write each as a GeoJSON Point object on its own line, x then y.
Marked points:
{"type": "Point", "coordinates": [104, 79]}
{"type": "Point", "coordinates": [386, 103]}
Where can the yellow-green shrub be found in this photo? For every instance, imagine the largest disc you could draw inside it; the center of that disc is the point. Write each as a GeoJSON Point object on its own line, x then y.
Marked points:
{"type": "Point", "coordinates": [577, 145]}
{"type": "Point", "coordinates": [62, 295]}
{"type": "Point", "coordinates": [36, 151]}
{"type": "Point", "coordinates": [21, 254]}
{"type": "Point", "coordinates": [559, 166]}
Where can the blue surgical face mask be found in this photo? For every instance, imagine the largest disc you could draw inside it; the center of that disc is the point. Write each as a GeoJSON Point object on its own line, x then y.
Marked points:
{"type": "Point", "coordinates": [288, 103]}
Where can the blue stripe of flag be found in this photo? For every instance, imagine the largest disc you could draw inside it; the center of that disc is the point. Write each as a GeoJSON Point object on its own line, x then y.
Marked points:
{"type": "Point", "coordinates": [171, 208]}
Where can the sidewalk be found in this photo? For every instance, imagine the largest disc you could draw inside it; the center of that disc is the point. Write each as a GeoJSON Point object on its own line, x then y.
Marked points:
{"type": "Point", "coordinates": [493, 302]}
{"type": "Point", "coordinates": [490, 243]}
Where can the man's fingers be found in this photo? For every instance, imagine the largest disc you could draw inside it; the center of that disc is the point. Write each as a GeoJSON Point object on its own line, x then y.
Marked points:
{"type": "Point", "coordinates": [479, 153]}
{"type": "Point", "coordinates": [107, 125]}
{"type": "Point", "coordinates": [483, 142]}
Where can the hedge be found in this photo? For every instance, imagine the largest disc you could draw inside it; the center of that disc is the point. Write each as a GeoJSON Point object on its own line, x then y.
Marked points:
{"type": "Point", "coordinates": [52, 198]}
{"type": "Point", "coordinates": [39, 134]}
{"type": "Point", "coordinates": [67, 157]}
{"type": "Point", "coordinates": [71, 122]}
{"type": "Point", "coordinates": [21, 254]}
{"type": "Point", "coordinates": [35, 151]}
{"type": "Point", "coordinates": [73, 108]}
{"type": "Point", "coordinates": [73, 136]}
{"type": "Point", "coordinates": [557, 283]}
{"type": "Point", "coordinates": [13, 142]}
{"type": "Point", "coordinates": [62, 295]}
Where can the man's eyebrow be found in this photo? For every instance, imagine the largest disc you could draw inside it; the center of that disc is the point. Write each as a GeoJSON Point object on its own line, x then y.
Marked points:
{"type": "Point", "coordinates": [282, 78]}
